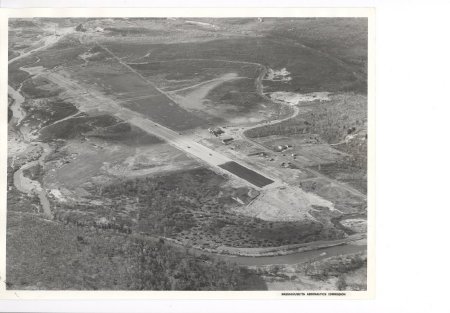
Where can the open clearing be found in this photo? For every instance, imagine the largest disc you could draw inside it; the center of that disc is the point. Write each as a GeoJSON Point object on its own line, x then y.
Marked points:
{"type": "Point", "coordinates": [284, 204]}
{"type": "Point", "coordinates": [208, 141]}
{"type": "Point", "coordinates": [192, 97]}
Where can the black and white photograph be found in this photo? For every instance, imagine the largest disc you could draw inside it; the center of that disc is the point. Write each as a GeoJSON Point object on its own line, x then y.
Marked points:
{"type": "Point", "coordinates": [188, 154]}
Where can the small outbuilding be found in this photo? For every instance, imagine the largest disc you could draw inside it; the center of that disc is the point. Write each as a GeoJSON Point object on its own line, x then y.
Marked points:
{"type": "Point", "coordinates": [227, 140]}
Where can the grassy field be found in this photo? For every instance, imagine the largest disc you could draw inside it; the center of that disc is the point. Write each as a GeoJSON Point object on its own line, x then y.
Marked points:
{"type": "Point", "coordinates": [343, 38]}
{"type": "Point", "coordinates": [104, 127]}
{"type": "Point", "coordinates": [124, 133]}
{"type": "Point", "coordinates": [174, 74]}
{"type": "Point", "coordinates": [240, 98]}
{"type": "Point", "coordinates": [39, 89]}
{"type": "Point", "coordinates": [115, 80]}
{"type": "Point", "coordinates": [75, 127]}
{"type": "Point", "coordinates": [164, 111]}
{"type": "Point", "coordinates": [347, 171]}
{"type": "Point", "coordinates": [311, 71]}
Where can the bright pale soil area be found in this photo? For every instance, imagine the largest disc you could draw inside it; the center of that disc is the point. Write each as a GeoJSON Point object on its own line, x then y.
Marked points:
{"type": "Point", "coordinates": [296, 98]}
{"type": "Point", "coordinates": [283, 204]}
{"type": "Point", "coordinates": [192, 97]}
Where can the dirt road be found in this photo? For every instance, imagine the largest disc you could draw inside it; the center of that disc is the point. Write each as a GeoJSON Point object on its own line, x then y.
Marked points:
{"type": "Point", "coordinates": [208, 85]}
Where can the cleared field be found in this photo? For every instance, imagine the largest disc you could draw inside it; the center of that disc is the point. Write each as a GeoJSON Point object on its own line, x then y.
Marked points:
{"type": "Point", "coordinates": [285, 204]}
{"type": "Point", "coordinates": [239, 102]}
{"type": "Point", "coordinates": [348, 172]}
{"type": "Point", "coordinates": [113, 79]}
{"type": "Point", "coordinates": [246, 173]}
{"type": "Point", "coordinates": [326, 36]}
{"type": "Point", "coordinates": [181, 73]}
{"type": "Point", "coordinates": [132, 91]}
{"type": "Point", "coordinates": [313, 71]}
{"type": "Point", "coordinates": [304, 155]}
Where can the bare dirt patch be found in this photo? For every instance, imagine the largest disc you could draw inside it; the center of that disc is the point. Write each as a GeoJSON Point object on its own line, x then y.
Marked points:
{"type": "Point", "coordinates": [283, 204]}
{"type": "Point", "coordinates": [292, 98]}
{"type": "Point", "coordinates": [192, 97]}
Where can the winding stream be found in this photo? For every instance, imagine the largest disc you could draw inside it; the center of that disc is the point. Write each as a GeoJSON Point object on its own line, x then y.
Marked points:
{"type": "Point", "coordinates": [16, 107]}
{"type": "Point", "coordinates": [29, 186]}
{"type": "Point", "coordinates": [22, 183]}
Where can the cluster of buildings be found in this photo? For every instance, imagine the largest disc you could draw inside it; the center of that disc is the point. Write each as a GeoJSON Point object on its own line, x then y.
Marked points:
{"type": "Point", "coordinates": [217, 132]}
